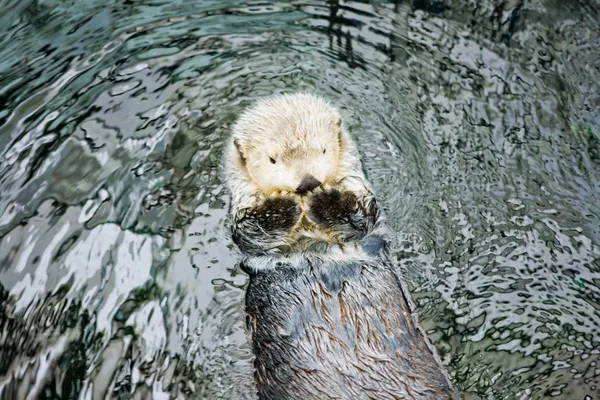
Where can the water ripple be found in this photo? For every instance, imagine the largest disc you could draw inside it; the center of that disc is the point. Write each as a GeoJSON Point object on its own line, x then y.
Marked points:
{"type": "Point", "coordinates": [478, 123]}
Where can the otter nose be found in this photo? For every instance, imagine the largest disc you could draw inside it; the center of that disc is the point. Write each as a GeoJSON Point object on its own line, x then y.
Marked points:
{"type": "Point", "coordinates": [307, 184]}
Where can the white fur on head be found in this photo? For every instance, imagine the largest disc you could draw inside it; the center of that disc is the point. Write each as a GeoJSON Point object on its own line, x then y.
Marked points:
{"type": "Point", "coordinates": [278, 140]}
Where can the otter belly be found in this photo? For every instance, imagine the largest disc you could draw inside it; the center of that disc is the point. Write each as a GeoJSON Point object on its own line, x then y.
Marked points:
{"type": "Point", "coordinates": [323, 329]}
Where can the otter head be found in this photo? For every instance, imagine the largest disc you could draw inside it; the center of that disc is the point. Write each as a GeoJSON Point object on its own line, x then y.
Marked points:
{"type": "Point", "coordinates": [289, 143]}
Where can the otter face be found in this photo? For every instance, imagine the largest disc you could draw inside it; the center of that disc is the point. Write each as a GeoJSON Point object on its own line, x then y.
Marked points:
{"type": "Point", "coordinates": [290, 143]}
{"type": "Point", "coordinates": [299, 169]}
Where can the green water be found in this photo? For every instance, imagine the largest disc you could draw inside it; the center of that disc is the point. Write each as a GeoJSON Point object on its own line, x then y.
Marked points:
{"type": "Point", "coordinates": [478, 123]}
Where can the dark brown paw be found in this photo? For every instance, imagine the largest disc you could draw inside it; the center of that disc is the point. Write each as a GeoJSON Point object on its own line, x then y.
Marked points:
{"type": "Point", "coordinates": [276, 214]}
{"type": "Point", "coordinates": [333, 208]}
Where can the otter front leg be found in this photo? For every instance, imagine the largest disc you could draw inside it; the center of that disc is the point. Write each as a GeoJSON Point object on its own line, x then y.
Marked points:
{"type": "Point", "coordinates": [266, 227]}
{"type": "Point", "coordinates": [343, 213]}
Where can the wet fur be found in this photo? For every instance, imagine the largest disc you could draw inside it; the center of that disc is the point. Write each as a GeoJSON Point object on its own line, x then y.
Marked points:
{"type": "Point", "coordinates": [327, 314]}
{"type": "Point", "coordinates": [323, 330]}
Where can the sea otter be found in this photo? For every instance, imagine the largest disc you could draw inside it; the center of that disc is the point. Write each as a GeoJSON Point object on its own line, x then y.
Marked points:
{"type": "Point", "coordinates": [327, 315]}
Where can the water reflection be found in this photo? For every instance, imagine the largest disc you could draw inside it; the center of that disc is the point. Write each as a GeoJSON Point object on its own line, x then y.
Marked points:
{"type": "Point", "coordinates": [479, 125]}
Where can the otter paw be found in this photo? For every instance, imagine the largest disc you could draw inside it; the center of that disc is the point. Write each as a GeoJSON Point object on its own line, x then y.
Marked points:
{"type": "Point", "coordinates": [333, 208]}
{"type": "Point", "coordinates": [277, 214]}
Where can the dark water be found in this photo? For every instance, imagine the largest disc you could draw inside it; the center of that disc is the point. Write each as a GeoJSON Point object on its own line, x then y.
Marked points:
{"type": "Point", "coordinates": [479, 126]}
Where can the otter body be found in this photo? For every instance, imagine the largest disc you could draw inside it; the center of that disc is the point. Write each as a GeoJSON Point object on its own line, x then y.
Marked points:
{"type": "Point", "coordinates": [338, 330]}
{"type": "Point", "coordinates": [326, 312]}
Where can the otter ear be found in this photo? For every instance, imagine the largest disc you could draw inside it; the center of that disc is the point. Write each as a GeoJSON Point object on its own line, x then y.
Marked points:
{"type": "Point", "coordinates": [238, 146]}
{"type": "Point", "coordinates": [338, 123]}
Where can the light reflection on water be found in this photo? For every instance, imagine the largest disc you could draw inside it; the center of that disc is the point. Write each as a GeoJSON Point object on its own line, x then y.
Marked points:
{"type": "Point", "coordinates": [479, 126]}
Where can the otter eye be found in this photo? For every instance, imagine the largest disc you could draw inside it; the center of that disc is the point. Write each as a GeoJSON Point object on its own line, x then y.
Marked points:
{"type": "Point", "coordinates": [272, 160]}
{"type": "Point", "coordinates": [324, 150]}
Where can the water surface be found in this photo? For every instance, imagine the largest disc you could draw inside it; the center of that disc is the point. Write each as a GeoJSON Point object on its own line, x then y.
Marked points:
{"type": "Point", "coordinates": [479, 127]}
